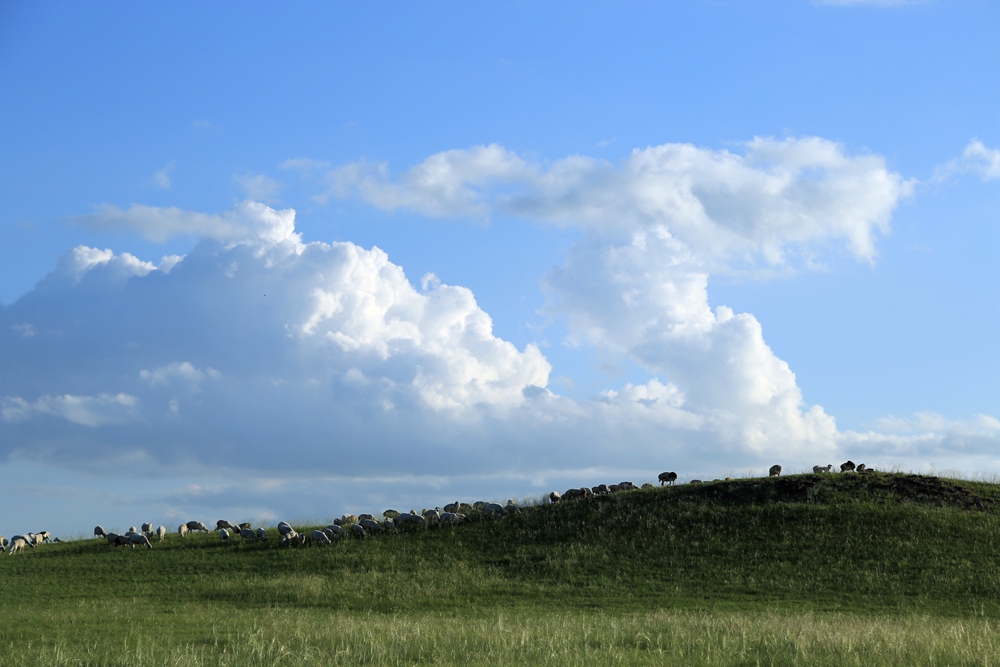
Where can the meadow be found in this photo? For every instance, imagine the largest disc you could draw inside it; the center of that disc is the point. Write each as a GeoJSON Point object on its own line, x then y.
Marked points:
{"type": "Point", "coordinates": [884, 569]}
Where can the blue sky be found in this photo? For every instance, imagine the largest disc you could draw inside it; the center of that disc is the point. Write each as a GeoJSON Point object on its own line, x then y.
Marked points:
{"type": "Point", "coordinates": [505, 249]}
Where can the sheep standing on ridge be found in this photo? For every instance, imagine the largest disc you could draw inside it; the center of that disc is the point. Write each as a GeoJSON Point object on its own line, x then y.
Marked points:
{"type": "Point", "coordinates": [161, 532]}
{"type": "Point", "coordinates": [555, 497]}
{"type": "Point", "coordinates": [147, 529]}
{"type": "Point", "coordinates": [138, 539]}
{"type": "Point", "coordinates": [821, 469]}
{"type": "Point", "coordinates": [667, 478]}
{"type": "Point", "coordinates": [774, 471]}
{"type": "Point", "coordinates": [847, 467]}
{"type": "Point", "coordinates": [182, 530]}
{"type": "Point", "coordinates": [224, 536]}
{"type": "Point", "coordinates": [321, 537]}
{"type": "Point", "coordinates": [98, 531]}
{"type": "Point", "coordinates": [248, 535]}
{"type": "Point", "coordinates": [197, 525]}
{"type": "Point", "coordinates": [17, 545]}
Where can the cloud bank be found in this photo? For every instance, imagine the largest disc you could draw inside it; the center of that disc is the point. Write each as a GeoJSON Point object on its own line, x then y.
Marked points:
{"type": "Point", "coordinates": [294, 360]}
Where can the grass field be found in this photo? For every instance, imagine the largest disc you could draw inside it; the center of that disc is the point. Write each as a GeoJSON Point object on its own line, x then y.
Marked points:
{"type": "Point", "coordinates": [799, 570]}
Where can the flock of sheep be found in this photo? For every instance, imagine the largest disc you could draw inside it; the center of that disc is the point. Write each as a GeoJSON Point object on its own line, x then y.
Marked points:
{"type": "Point", "coordinates": [363, 525]}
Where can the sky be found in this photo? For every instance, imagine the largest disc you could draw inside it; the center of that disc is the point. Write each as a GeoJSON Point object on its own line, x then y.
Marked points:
{"type": "Point", "coordinates": [264, 263]}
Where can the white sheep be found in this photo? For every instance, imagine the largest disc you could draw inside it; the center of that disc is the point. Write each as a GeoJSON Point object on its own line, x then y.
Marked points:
{"type": "Point", "coordinates": [494, 510]}
{"type": "Point", "coordinates": [363, 517]}
{"type": "Point", "coordinates": [414, 519]}
{"type": "Point", "coordinates": [348, 518]}
{"type": "Point", "coordinates": [138, 539]}
{"type": "Point", "coordinates": [98, 531]}
{"type": "Point", "coordinates": [321, 537]}
{"type": "Point", "coordinates": [390, 514]}
{"type": "Point", "coordinates": [3, 544]}
{"type": "Point", "coordinates": [224, 536]}
{"type": "Point", "coordinates": [451, 508]}
{"type": "Point", "coordinates": [774, 471]}
{"type": "Point", "coordinates": [261, 535]}
{"type": "Point", "coordinates": [248, 534]}
{"type": "Point", "coordinates": [16, 545]}
{"type": "Point", "coordinates": [555, 497]}
{"type": "Point", "coordinates": [161, 532]}
{"type": "Point", "coordinates": [197, 525]}
{"type": "Point", "coordinates": [222, 524]}
{"type": "Point", "coordinates": [817, 470]}
{"type": "Point", "coordinates": [511, 508]}
{"type": "Point", "coordinates": [284, 528]}
{"type": "Point", "coordinates": [357, 530]}
{"type": "Point", "coordinates": [182, 530]}
{"type": "Point", "coordinates": [147, 529]}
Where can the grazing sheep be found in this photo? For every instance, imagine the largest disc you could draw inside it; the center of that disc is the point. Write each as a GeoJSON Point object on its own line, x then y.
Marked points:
{"type": "Point", "coordinates": [123, 540]}
{"type": "Point", "coordinates": [335, 531]}
{"type": "Point", "coordinates": [847, 467]}
{"type": "Point", "coordinates": [390, 514]}
{"type": "Point", "coordinates": [182, 530]}
{"type": "Point", "coordinates": [573, 494]}
{"type": "Point", "coordinates": [3, 544]}
{"type": "Point", "coordinates": [695, 481]}
{"type": "Point", "coordinates": [413, 519]}
{"type": "Point", "coordinates": [626, 486]}
{"type": "Point", "coordinates": [647, 485]}
{"type": "Point", "coordinates": [138, 539]}
{"type": "Point", "coordinates": [369, 517]}
{"type": "Point", "coordinates": [222, 524]}
{"type": "Point", "coordinates": [285, 529]}
{"type": "Point", "coordinates": [248, 534]}
{"type": "Point", "coordinates": [98, 531]}
{"type": "Point", "coordinates": [357, 530]}
{"type": "Point", "coordinates": [197, 525]}
{"type": "Point", "coordinates": [452, 517]}
{"type": "Point", "coordinates": [554, 497]}
{"type": "Point", "coordinates": [511, 508]}
{"type": "Point", "coordinates": [774, 471]}
{"type": "Point", "coordinates": [244, 525]}
{"type": "Point", "coordinates": [451, 508]}
{"type": "Point", "coordinates": [161, 532]}
{"type": "Point", "coordinates": [432, 515]}
{"type": "Point", "coordinates": [16, 546]}
{"type": "Point", "coordinates": [147, 529]}
{"type": "Point", "coordinates": [261, 535]}
{"type": "Point", "coordinates": [321, 537]}
{"type": "Point", "coordinates": [224, 536]}
{"type": "Point", "coordinates": [667, 478]}
{"type": "Point", "coordinates": [479, 504]}
{"type": "Point", "coordinates": [861, 468]}
{"type": "Point", "coordinates": [289, 538]}
{"type": "Point", "coordinates": [348, 518]}
{"type": "Point", "coordinates": [131, 529]}
{"type": "Point", "coordinates": [370, 525]}
{"type": "Point", "coordinates": [601, 490]}
{"type": "Point", "coordinates": [821, 469]}
{"type": "Point", "coordinates": [494, 510]}
{"type": "Point", "coordinates": [46, 536]}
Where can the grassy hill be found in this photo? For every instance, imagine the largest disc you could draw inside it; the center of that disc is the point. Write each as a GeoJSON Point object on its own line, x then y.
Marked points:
{"type": "Point", "coordinates": [803, 569]}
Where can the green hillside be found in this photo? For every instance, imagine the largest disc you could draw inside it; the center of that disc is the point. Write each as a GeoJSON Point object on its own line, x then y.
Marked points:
{"type": "Point", "coordinates": [640, 576]}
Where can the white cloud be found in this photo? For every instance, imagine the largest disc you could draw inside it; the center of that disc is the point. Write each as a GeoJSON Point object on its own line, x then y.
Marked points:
{"type": "Point", "coordinates": [779, 195]}
{"type": "Point", "coordinates": [258, 187]}
{"type": "Point", "coordinates": [183, 371]}
{"type": "Point", "coordinates": [88, 411]}
{"type": "Point", "coordinates": [162, 177]}
{"type": "Point", "coordinates": [247, 222]}
{"type": "Point", "coordinates": [976, 159]}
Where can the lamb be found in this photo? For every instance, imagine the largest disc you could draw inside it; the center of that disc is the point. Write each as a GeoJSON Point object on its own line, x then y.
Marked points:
{"type": "Point", "coordinates": [138, 539]}
{"type": "Point", "coordinates": [321, 537]}
{"type": "Point", "coordinates": [161, 532]}
{"type": "Point", "coordinates": [98, 531]}
{"type": "Point", "coordinates": [197, 525]}
{"type": "Point", "coordinates": [821, 469]}
{"type": "Point", "coordinates": [182, 530]}
{"type": "Point", "coordinates": [847, 467]}
{"type": "Point", "coordinates": [774, 471]}
{"type": "Point", "coordinates": [667, 478]}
